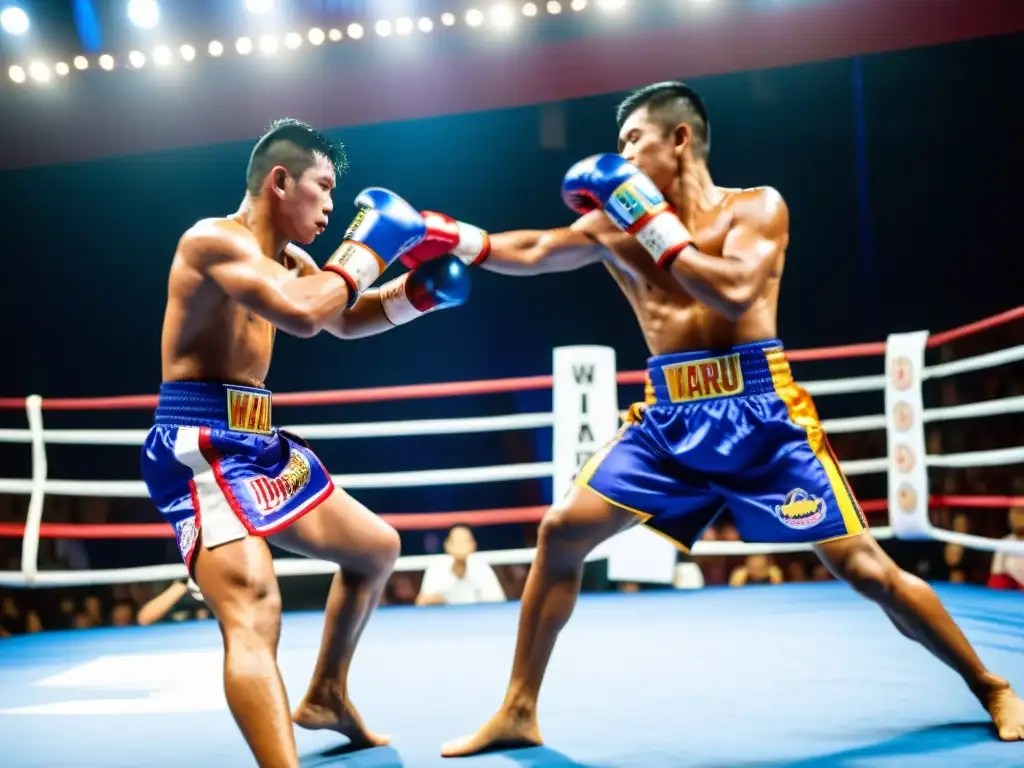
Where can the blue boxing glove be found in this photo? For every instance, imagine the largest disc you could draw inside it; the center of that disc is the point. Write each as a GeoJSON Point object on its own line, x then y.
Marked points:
{"type": "Point", "coordinates": [437, 284]}
{"type": "Point", "coordinates": [385, 227]}
{"type": "Point", "coordinates": [631, 200]}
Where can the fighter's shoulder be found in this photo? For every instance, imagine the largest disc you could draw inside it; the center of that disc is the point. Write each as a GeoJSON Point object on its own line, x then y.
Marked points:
{"type": "Point", "coordinates": [758, 206]}
{"type": "Point", "coordinates": [213, 239]}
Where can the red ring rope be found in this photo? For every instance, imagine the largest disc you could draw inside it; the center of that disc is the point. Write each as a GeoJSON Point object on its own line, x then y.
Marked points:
{"type": "Point", "coordinates": [489, 386]}
{"type": "Point", "coordinates": [425, 520]}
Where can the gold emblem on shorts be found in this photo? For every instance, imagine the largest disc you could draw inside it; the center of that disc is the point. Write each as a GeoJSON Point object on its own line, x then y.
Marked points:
{"type": "Point", "coordinates": [249, 411]}
{"type": "Point", "coordinates": [271, 493]}
{"type": "Point", "coordinates": [800, 509]}
{"type": "Point", "coordinates": [703, 379]}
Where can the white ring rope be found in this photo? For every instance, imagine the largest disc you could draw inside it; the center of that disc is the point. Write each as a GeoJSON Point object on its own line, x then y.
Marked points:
{"type": "Point", "coordinates": [39, 484]}
{"type": "Point", "coordinates": [407, 563]}
{"type": "Point", "coordinates": [348, 431]}
{"type": "Point", "coordinates": [975, 410]}
{"type": "Point", "coordinates": [845, 386]}
{"type": "Point", "coordinates": [414, 427]}
{"type": "Point", "coordinates": [999, 457]}
{"type": "Point", "coordinates": [976, 363]}
{"type": "Point", "coordinates": [136, 489]}
{"type": "Point", "coordinates": [500, 473]}
{"type": "Point", "coordinates": [970, 541]}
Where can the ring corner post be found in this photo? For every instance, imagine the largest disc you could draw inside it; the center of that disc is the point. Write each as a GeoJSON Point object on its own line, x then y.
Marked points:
{"type": "Point", "coordinates": [584, 405]}
{"type": "Point", "coordinates": [907, 471]}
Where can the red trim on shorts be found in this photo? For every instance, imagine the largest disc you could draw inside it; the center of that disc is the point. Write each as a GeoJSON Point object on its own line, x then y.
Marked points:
{"type": "Point", "coordinates": [310, 506]}
{"type": "Point", "coordinates": [191, 554]}
{"type": "Point", "coordinates": [213, 457]}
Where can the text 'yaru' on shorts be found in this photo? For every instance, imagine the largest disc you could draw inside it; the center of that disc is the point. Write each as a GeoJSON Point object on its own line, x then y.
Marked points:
{"type": "Point", "coordinates": [703, 379]}
{"type": "Point", "coordinates": [249, 411]}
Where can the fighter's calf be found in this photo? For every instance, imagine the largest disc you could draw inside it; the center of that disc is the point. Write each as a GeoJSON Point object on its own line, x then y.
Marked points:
{"type": "Point", "coordinates": [239, 585]}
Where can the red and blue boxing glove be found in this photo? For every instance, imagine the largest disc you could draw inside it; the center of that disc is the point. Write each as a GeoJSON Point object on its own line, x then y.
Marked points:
{"type": "Point", "coordinates": [631, 200]}
{"type": "Point", "coordinates": [436, 284]}
{"type": "Point", "coordinates": [385, 227]}
{"type": "Point", "coordinates": [444, 235]}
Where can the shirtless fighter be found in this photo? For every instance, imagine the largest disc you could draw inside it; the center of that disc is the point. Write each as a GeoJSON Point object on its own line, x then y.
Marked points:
{"type": "Point", "coordinates": [218, 470]}
{"type": "Point", "coordinates": [722, 424]}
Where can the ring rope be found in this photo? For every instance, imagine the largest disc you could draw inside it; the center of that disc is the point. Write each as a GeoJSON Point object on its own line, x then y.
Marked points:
{"type": "Point", "coordinates": [38, 437]}
{"type": "Point", "coordinates": [413, 427]}
{"type": "Point", "coordinates": [127, 489]}
{"type": "Point", "coordinates": [489, 474]}
{"type": "Point", "coordinates": [960, 332]}
{"type": "Point", "coordinates": [306, 567]}
{"type": "Point", "coordinates": [976, 363]}
{"type": "Point", "coordinates": [497, 386]}
{"type": "Point", "coordinates": [422, 521]}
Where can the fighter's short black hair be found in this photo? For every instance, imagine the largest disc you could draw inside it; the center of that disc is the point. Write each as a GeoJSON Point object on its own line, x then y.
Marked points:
{"type": "Point", "coordinates": [294, 145]}
{"type": "Point", "coordinates": [671, 102]}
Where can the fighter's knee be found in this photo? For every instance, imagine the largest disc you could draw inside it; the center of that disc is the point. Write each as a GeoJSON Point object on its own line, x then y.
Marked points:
{"type": "Point", "coordinates": [554, 526]}
{"type": "Point", "coordinates": [560, 531]}
{"type": "Point", "coordinates": [253, 608]}
{"type": "Point", "coordinates": [390, 548]}
{"type": "Point", "coordinates": [376, 557]}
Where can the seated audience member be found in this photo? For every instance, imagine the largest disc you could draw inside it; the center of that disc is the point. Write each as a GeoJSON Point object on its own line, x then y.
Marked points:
{"type": "Point", "coordinates": [688, 573]}
{"type": "Point", "coordinates": [461, 576]}
{"type": "Point", "coordinates": [1008, 570]}
{"type": "Point", "coordinates": [757, 569]}
{"type": "Point", "coordinates": [181, 600]}
{"type": "Point", "coordinates": [795, 571]}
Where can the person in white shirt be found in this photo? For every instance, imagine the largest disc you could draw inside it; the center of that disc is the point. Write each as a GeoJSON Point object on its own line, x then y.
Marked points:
{"type": "Point", "coordinates": [462, 576]}
{"type": "Point", "coordinates": [1008, 570]}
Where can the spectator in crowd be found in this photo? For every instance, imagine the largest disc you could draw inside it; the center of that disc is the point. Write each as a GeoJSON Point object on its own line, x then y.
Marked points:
{"type": "Point", "coordinates": [16, 619]}
{"type": "Point", "coordinates": [1008, 570]}
{"type": "Point", "coordinates": [757, 569]}
{"type": "Point", "coordinates": [182, 600]}
{"type": "Point", "coordinates": [460, 576]}
{"type": "Point", "coordinates": [796, 571]}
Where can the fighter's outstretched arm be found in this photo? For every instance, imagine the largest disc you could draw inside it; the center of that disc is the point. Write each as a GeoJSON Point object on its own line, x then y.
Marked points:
{"type": "Point", "coordinates": [731, 283]}
{"type": "Point", "coordinates": [298, 306]}
{"type": "Point", "coordinates": [536, 252]}
{"type": "Point", "coordinates": [519, 252]}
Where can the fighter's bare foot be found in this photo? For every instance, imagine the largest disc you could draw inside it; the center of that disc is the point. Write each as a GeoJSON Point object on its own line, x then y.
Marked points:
{"type": "Point", "coordinates": [503, 731]}
{"type": "Point", "coordinates": [1007, 711]}
{"type": "Point", "coordinates": [336, 713]}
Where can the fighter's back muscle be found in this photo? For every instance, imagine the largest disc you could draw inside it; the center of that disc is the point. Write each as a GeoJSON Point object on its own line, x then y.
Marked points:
{"type": "Point", "coordinates": [670, 318]}
{"type": "Point", "coordinates": [207, 334]}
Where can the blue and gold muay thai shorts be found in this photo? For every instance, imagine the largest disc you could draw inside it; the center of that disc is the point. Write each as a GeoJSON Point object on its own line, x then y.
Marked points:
{"type": "Point", "coordinates": [726, 428]}
{"type": "Point", "coordinates": [215, 466]}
